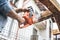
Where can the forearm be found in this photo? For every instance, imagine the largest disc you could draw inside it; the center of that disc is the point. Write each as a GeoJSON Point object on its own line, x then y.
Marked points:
{"type": "Point", "coordinates": [18, 10]}
{"type": "Point", "coordinates": [21, 10]}
{"type": "Point", "coordinates": [13, 15]}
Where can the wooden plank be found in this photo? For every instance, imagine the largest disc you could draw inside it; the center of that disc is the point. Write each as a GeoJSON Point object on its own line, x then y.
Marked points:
{"type": "Point", "coordinates": [53, 9]}
{"type": "Point", "coordinates": [57, 5]}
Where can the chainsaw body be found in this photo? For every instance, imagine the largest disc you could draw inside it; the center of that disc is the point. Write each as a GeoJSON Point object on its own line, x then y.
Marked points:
{"type": "Point", "coordinates": [28, 16]}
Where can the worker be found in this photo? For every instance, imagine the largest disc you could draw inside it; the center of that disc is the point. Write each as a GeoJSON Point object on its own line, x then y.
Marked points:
{"type": "Point", "coordinates": [6, 10]}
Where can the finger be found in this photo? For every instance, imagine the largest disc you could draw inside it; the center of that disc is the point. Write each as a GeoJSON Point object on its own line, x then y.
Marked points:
{"type": "Point", "coordinates": [19, 25]}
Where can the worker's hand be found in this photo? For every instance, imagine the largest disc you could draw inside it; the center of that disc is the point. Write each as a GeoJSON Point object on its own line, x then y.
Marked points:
{"type": "Point", "coordinates": [20, 21]}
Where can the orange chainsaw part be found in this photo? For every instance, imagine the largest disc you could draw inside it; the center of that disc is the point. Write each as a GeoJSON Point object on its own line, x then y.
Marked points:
{"type": "Point", "coordinates": [29, 20]}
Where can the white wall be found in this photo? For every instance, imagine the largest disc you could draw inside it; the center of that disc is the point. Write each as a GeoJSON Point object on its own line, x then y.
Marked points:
{"type": "Point", "coordinates": [44, 34]}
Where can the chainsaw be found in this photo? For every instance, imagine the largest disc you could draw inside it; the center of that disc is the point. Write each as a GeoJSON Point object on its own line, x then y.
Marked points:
{"type": "Point", "coordinates": [28, 16]}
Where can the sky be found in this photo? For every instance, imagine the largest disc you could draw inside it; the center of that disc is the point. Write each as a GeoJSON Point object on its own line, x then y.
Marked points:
{"type": "Point", "coordinates": [55, 26]}
{"type": "Point", "coordinates": [58, 1]}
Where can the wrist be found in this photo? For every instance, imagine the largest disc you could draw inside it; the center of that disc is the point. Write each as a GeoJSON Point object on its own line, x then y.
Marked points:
{"type": "Point", "coordinates": [18, 18]}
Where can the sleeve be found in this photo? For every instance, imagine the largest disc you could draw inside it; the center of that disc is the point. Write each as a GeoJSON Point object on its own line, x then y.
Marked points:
{"type": "Point", "coordinates": [6, 8]}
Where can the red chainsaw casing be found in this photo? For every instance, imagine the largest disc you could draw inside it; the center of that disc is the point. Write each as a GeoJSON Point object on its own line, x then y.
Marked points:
{"type": "Point", "coordinates": [29, 20]}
